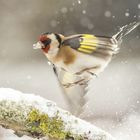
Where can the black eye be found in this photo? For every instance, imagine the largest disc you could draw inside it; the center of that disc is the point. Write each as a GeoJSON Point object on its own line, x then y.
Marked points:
{"type": "Point", "coordinates": [46, 42]}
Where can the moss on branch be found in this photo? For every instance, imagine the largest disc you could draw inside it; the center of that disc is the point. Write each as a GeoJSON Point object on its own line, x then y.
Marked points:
{"type": "Point", "coordinates": [36, 117]}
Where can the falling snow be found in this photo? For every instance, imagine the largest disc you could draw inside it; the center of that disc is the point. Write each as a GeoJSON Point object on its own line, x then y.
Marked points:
{"type": "Point", "coordinates": [138, 102]}
{"type": "Point", "coordinates": [107, 14]}
{"type": "Point", "coordinates": [53, 23]}
{"type": "Point", "coordinates": [79, 1]}
{"type": "Point", "coordinates": [84, 11]}
{"type": "Point", "coordinates": [113, 16]}
{"type": "Point", "coordinates": [64, 10]}
{"type": "Point", "coordinates": [29, 77]}
{"type": "Point", "coordinates": [73, 4]}
{"type": "Point", "coordinates": [135, 16]}
{"type": "Point", "coordinates": [138, 6]}
{"type": "Point", "coordinates": [90, 26]}
{"type": "Point", "coordinates": [127, 14]}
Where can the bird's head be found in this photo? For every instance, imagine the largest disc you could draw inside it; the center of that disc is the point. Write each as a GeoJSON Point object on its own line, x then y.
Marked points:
{"type": "Point", "coordinates": [48, 41]}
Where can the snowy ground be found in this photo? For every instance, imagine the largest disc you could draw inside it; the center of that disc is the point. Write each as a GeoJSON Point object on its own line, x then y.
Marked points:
{"type": "Point", "coordinates": [127, 130]}
{"type": "Point", "coordinates": [71, 123]}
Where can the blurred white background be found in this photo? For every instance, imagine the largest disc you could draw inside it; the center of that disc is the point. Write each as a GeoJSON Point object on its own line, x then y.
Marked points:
{"type": "Point", "coordinates": [115, 96]}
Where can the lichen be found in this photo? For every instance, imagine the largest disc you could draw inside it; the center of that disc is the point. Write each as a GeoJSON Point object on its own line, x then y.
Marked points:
{"type": "Point", "coordinates": [41, 124]}
{"type": "Point", "coordinates": [26, 116]}
{"type": "Point", "coordinates": [37, 123]}
{"type": "Point", "coordinates": [11, 112]}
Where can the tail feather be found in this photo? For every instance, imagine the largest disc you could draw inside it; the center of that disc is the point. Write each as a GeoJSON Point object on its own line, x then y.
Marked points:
{"type": "Point", "coordinates": [126, 30]}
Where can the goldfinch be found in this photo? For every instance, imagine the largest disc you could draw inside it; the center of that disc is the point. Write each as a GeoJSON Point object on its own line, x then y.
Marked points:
{"type": "Point", "coordinates": [78, 58]}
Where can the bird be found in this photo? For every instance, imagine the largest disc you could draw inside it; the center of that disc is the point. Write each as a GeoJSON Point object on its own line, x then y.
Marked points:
{"type": "Point", "coordinates": [77, 59]}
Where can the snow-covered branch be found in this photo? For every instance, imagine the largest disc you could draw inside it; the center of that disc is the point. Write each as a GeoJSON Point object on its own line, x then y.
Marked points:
{"type": "Point", "coordinates": [34, 116]}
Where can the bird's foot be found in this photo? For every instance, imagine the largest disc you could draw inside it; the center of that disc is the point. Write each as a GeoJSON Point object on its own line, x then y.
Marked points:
{"type": "Point", "coordinates": [87, 70]}
{"type": "Point", "coordinates": [92, 74]}
{"type": "Point", "coordinates": [79, 82]}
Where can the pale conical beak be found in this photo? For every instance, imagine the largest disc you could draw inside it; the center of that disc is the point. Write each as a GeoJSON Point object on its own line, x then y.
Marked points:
{"type": "Point", "coordinates": [38, 45]}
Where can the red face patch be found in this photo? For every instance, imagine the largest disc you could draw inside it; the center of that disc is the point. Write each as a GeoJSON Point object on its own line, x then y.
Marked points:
{"type": "Point", "coordinates": [42, 38]}
{"type": "Point", "coordinates": [46, 49]}
{"type": "Point", "coordinates": [45, 43]}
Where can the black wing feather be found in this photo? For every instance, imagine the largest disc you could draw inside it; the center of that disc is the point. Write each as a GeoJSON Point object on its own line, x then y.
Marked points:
{"type": "Point", "coordinates": [91, 41]}
{"type": "Point", "coordinates": [99, 46]}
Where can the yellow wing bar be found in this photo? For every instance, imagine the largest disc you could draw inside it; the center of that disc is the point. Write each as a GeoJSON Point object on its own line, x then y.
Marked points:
{"type": "Point", "coordinates": [88, 43]}
{"type": "Point", "coordinates": [85, 50]}
{"type": "Point", "coordinates": [89, 36]}
{"type": "Point", "coordinates": [88, 47]}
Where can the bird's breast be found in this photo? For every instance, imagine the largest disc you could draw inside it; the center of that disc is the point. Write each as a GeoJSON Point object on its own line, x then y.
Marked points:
{"type": "Point", "coordinates": [66, 55]}
{"type": "Point", "coordinates": [74, 61]}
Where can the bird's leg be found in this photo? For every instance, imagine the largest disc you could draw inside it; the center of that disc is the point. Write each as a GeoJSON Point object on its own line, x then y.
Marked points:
{"type": "Point", "coordinates": [87, 70]}
{"type": "Point", "coordinates": [54, 69]}
{"type": "Point", "coordinates": [92, 74]}
{"type": "Point", "coordinates": [80, 82]}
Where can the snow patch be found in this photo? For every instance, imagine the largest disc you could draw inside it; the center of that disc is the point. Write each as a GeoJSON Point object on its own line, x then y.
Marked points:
{"type": "Point", "coordinates": [75, 125]}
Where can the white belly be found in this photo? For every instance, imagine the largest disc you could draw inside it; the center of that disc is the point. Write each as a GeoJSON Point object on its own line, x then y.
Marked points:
{"type": "Point", "coordinates": [84, 61]}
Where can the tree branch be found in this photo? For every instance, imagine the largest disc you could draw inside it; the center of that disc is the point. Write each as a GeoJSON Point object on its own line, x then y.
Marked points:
{"type": "Point", "coordinates": [36, 117]}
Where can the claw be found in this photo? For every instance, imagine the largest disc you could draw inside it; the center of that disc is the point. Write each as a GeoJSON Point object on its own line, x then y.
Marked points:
{"type": "Point", "coordinates": [80, 82]}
